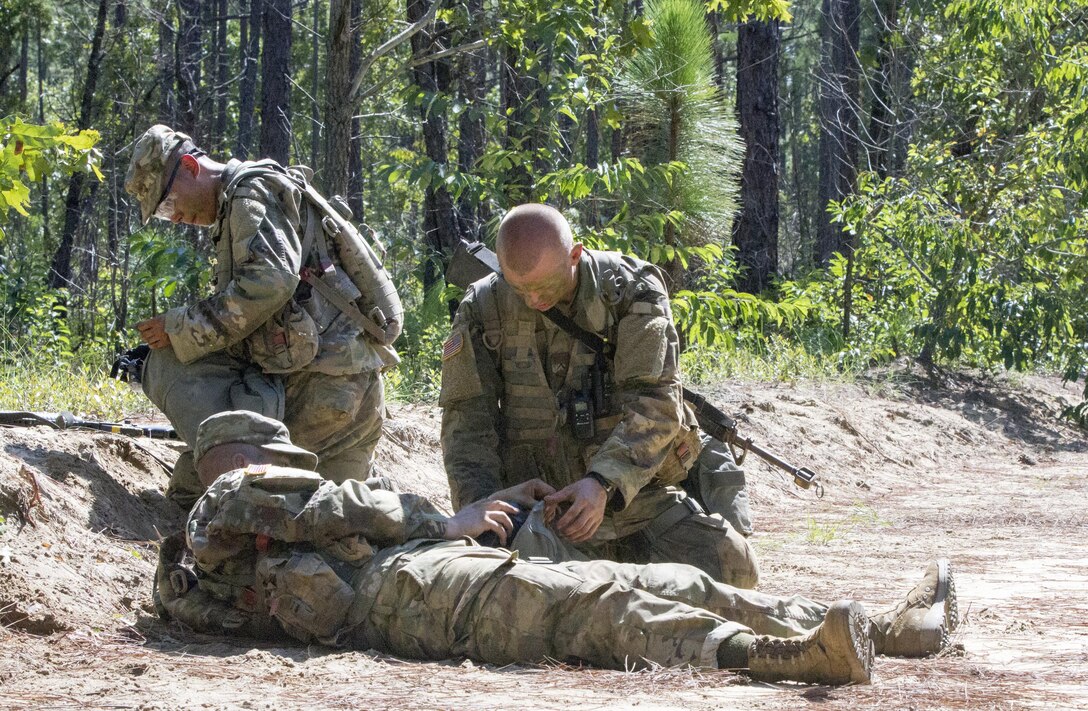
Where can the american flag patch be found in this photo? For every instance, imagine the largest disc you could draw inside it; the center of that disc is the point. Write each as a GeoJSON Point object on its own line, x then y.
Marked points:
{"type": "Point", "coordinates": [453, 345]}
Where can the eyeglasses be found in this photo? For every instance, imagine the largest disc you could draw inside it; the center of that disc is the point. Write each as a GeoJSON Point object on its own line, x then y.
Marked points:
{"type": "Point", "coordinates": [164, 208]}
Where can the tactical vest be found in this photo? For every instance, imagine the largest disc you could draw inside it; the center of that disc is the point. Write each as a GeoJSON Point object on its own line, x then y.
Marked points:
{"type": "Point", "coordinates": [338, 263]}
{"type": "Point", "coordinates": [533, 412]}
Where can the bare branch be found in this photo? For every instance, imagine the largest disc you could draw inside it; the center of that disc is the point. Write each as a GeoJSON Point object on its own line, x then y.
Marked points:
{"type": "Point", "coordinates": [388, 46]}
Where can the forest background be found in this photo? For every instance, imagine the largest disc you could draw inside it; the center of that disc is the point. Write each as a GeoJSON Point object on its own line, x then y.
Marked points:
{"type": "Point", "coordinates": [829, 185]}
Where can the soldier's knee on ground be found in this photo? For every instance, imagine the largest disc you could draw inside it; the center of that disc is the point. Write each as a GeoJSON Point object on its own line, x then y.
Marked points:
{"type": "Point", "coordinates": [712, 545]}
{"type": "Point", "coordinates": [720, 485]}
{"type": "Point", "coordinates": [726, 556]}
{"type": "Point", "coordinates": [740, 561]}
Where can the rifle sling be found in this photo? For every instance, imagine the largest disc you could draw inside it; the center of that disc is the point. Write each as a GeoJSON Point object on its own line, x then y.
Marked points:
{"type": "Point", "coordinates": [313, 235]}
{"type": "Point", "coordinates": [705, 411]}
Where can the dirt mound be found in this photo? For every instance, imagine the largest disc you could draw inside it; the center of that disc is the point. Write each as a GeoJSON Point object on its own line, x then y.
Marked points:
{"type": "Point", "coordinates": [979, 471]}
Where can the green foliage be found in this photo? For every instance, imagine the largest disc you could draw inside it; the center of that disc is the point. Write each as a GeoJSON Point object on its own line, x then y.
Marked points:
{"type": "Point", "coordinates": [773, 358]}
{"type": "Point", "coordinates": [59, 382]}
{"type": "Point", "coordinates": [741, 10]}
{"type": "Point", "coordinates": [426, 326]}
{"type": "Point", "coordinates": [166, 269]}
{"type": "Point", "coordinates": [978, 253]}
{"type": "Point", "coordinates": [29, 152]}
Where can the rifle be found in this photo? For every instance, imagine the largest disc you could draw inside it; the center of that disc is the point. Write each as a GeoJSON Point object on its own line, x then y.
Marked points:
{"type": "Point", "coordinates": [68, 421]}
{"type": "Point", "coordinates": [472, 261]}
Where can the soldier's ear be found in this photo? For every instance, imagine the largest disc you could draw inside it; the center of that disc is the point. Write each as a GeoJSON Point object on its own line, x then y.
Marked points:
{"type": "Point", "coordinates": [575, 253]}
{"type": "Point", "coordinates": [190, 163]}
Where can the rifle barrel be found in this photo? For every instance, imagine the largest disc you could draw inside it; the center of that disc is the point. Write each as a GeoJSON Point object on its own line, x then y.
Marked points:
{"type": "Point", "coordinates": [802, 477]}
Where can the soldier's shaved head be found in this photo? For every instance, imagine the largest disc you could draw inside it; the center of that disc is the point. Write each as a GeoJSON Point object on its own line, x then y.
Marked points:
{"type": "Point", "coordinates": [530, 232]}
{"type": "Point", "coordinates": [538, 255]}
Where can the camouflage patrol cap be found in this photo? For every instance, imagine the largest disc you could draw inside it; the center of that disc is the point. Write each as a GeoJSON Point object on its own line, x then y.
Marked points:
{"type": "Point", "coordinates": [147, 169]}
{"type": "Point", "coordinates": [244, 427]}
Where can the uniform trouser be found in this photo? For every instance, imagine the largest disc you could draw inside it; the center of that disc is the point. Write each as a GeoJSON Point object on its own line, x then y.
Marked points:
{"type": "Point", "coordinates": [190, 393]}
{"type": "Point", "coordinates": [338, 417]}
{"type": "Point", "coordinates": [457, 599]}
{"type": "Point", "coordinates": [719, 484]}
{"type": "Point", "coordinates": [664, 525]}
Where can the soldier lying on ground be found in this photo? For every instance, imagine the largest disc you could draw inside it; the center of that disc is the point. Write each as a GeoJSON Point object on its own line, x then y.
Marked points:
{"type": "Point", "coordinates": [279, 550]}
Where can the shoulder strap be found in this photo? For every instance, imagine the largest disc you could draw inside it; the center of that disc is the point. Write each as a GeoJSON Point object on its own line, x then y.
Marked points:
{"type": "Point", "coordinates": [313, 236]}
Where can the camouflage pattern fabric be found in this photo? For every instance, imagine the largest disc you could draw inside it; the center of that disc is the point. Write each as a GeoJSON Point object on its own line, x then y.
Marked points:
{"type": "Point", "coordinates": [260, 334]}
{"type": "Point", "coordinates": [280, 550]}
{"type": "Point", "coordinates": [460, 599]}
{"type": "Point", "coordinates": [339, 417]}
{"type": "Point", "coordinates": [507, 372]}
{"type": "Point", "coordinates": [147, 169]}
{"type": "Point", "coordinates": [719, 484]}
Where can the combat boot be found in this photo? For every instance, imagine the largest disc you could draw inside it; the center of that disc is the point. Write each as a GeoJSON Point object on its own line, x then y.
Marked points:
{"type": "Point", "coordinates": [922, 623]}
{"type": "Point", "coordinates": [839, 651]}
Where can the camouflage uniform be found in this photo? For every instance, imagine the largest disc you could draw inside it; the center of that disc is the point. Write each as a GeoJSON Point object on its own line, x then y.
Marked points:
{"type": "Point", "coordinates": [263, 341]}
{"type": "Point", "coordinates": [278, 549]}
{"type": "Point", "coordinates": [508, 373]}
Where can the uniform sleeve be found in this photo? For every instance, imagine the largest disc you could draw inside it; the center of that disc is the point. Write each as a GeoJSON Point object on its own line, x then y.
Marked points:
{"type": "Point", "coordinates": [648, 392]}
{"type": "Point", "coordinates": [298, 506]}
{"type": "Point", "coordinates": [266, 253]}
{"type": "Point", "coordinates": [382, 517]}
{"type": "Point", "coordinates": [471, 384]}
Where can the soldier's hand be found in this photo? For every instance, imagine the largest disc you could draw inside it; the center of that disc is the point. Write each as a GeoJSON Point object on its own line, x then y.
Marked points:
{"type": "Point", "coordinates": [480, 517]}
{"type": "Point", "coordinates": [587, 499]}
{"type": "Point", "coordinates": [525, 494]}
{"type": "Point", "coordinates": [153, 332]}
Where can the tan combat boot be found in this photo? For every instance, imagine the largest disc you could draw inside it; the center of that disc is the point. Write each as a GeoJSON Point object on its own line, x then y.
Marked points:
{"type": "Point", "coordinates": [839, 651]}
{"type": "Point", "coordinates": [921, 624]}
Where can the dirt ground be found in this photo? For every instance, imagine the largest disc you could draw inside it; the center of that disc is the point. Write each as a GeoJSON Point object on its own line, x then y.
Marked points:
{"type": "Point", "coordinates": [978, 471]}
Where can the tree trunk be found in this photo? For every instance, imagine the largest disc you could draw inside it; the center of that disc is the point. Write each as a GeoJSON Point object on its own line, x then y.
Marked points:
{"type": "Point", "coordinates": [338, 110]}
{"type": "Point", "coordinates": [440, 219]}
{"type": "Point", "coordinates": [839, 109]}
{"type": "Point", "coordinates": [355, 153]}
{"type": "Point", "coordinates": [249, 50]}
{"type": "Point", "coordinates": [890, 116]}
{"type": "Point", "coordinates": [168, 103]}
{"type": "Point", "coordinates": [24, 63]}
{"type": "Point", "coordinates": [190, 51]}
{"type": "Point", "coordinates": [472, 88]}
{"type": "Point", "coordinates": [755, 232]}
{"type": "Point", "coordinates": [222, 71]}
{"type": "Point", "coordinates": [524, 103]}
{"type": "Point", "coordinates": [60, 272]}
{"type": "Point", "coordinates": [718, 47]}
{"type": "Point", "coordinates": [315, 87]}
{"type": "Point", "coordinates": [275, 81]}
{"type": "Point", "coordinates": [42, 68]}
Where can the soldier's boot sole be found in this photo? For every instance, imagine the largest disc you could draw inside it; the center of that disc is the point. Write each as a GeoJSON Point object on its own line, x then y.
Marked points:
{"type": "Point", "coordinates": [921, 631]}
